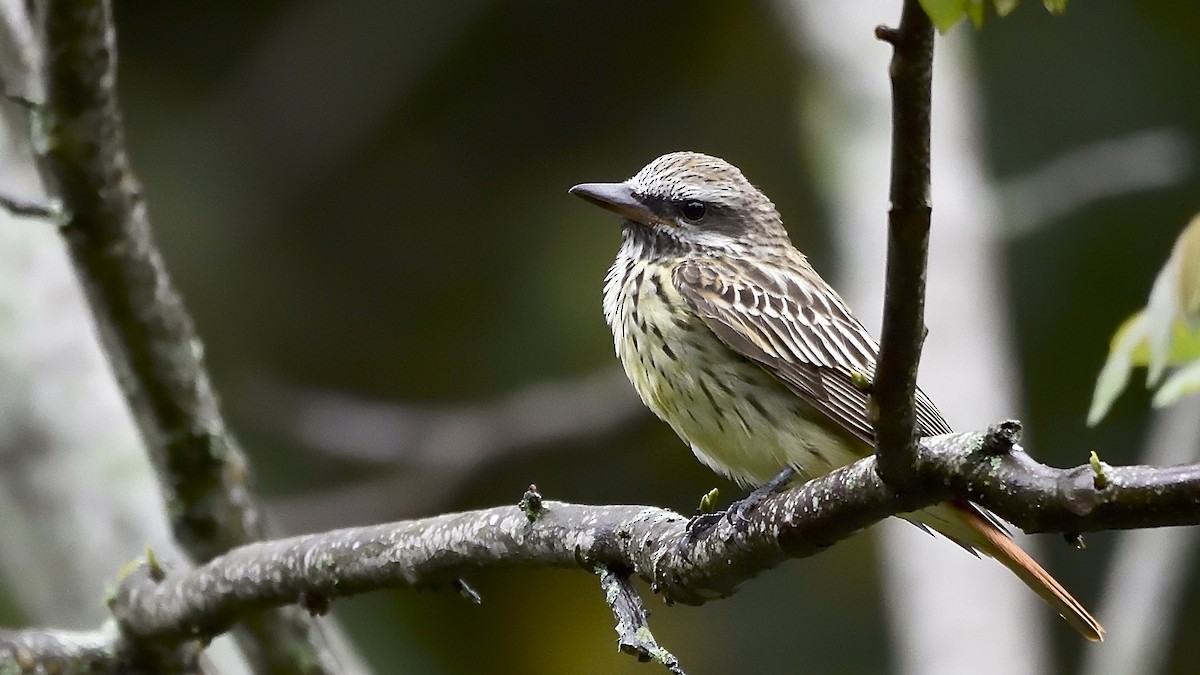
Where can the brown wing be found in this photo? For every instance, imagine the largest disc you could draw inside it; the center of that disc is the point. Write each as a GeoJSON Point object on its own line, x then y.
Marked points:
{"type": "Point", "coordinates": [786, 319]}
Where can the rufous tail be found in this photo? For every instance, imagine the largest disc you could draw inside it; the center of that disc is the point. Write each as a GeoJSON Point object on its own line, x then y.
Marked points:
{"type": "Point", "coordinates": [994, 542]}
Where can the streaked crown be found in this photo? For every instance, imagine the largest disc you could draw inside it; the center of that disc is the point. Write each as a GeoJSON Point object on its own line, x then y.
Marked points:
{"type": "Point", "coordinates": [692, 200]}
{"type": "Point", "coordinates": [683, 176]}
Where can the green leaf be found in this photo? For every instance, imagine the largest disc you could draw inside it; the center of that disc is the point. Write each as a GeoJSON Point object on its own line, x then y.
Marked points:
{"type": "Point", "coordinates": [1188, 250]}
{"type": "Point", "coordinates": [976, 10]}
{"type": "Point", "coordinates": [1129, 349]}
{"type": "Point", "coordinates": [1171, 298]}
{"type": "Point", "coordinates": [945, 13]}
{"type": "Point", "coordinates": [1005, 7]}
{"type": "Point", "coordinates": [1185, 345]}
{"type": "Point", "coordinates": [1055, 6]}
{"type": "Point", "coordinates": [1181, 383]}
{"type": "Point", "coordinates": [1165, 333]}
{"type": "Point", "coordinates": [1114, 376]}
{"type": "Point", "coordinates": [708, 503]}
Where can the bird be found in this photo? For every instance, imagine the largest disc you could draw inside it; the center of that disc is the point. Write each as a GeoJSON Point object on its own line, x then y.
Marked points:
{"type": "Point", "coordinates": [729, 335]}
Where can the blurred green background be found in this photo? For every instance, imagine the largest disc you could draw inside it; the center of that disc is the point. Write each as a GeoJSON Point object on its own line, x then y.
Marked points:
{"type": "Point", "coordinates": [365, 201]}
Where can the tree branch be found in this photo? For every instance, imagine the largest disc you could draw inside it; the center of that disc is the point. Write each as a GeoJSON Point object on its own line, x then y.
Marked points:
{"type": "Point", "coordinates": [148, 335]}
{"type": "Point", "coordinates": [464, 436]}
{"type": "Point", "coordinates": [96, 652]}
{"type": "Point", "coordinates": [903, 331]}
{"type": "Point", "coordinates": [171, 609]}
{"type": "Point", "coordinates": [59, 651]}
{"type": "Point", "coordinates": [28, 208]}
{"type": "Point", "coordinates": [633, 632]}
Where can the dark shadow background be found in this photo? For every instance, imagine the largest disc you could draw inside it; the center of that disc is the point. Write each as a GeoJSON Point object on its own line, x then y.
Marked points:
{"type": "Point", "coordinates": [369, 197]}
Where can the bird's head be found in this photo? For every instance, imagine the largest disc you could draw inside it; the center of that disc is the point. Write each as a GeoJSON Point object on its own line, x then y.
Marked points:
{"type": "Point", "coordinates": [693, 200]}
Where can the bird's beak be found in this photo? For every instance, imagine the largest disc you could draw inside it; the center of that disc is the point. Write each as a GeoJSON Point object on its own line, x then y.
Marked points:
{"type": "Point", "coordinates": [615, 197]}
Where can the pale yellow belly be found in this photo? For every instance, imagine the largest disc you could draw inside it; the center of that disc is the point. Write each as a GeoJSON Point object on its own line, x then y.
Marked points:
{"type": "Point", "coordinates": [738, 419]}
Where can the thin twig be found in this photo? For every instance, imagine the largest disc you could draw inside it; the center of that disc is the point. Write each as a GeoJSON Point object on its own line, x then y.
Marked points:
{"type": "Point", "coordinates": [30, 209]}
{"type": "Point", "coordinates": [633, 631]}
{"type": "Point", "coordinates": [463, 436]}
{"type": "Point", "coordinates": [903, 331]}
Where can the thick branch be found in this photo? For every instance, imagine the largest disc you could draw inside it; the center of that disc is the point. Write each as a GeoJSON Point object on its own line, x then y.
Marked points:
{"type": "Point", "coordinates": [984, 467]}
{"type": "Point", "coordinates": [59, 651]}
{"type": "Point", "coordinates": [903, 330]}
{"type": "Point", "coordinates": [174, 608]}
{"type": "Point", "coordinates": [95, 652]}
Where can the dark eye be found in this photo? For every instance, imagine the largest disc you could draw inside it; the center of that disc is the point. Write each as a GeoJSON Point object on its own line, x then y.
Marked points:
{"type": "Point", "coordinates": [692, 209]}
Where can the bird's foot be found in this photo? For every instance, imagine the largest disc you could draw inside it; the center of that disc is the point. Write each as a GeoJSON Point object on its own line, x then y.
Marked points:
{"type": "Point", "coordinates": [738, 512]}
{"type": "Point", "coordinates": [699, 525]}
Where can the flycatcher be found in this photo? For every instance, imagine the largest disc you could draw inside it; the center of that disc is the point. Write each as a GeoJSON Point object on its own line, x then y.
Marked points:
{"type": "Point", "coordinates": [729, 335]}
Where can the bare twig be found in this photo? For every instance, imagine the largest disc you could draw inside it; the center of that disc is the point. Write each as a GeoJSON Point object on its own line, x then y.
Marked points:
{"type": "Point", "coordinates": [1080, 177]}
{"type": "Point", "coordinates": [1144, 587]}
{"type": "Point", "coordinates": [903, 332]}
{"type": "Point", "coordinates": [633, 631]}
{"type": "Point", "coordinates": [848, 132]}
{"type": "Point", "coordinates": [29, 209]}
{"type": "Point", "coordinates": [462, 436]}
{"type": "Point", "coordinates": [435, 449]}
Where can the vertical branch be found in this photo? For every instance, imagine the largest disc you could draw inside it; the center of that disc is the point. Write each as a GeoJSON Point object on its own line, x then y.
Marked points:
{"type": "Point", "coordinates": [903, 329]}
